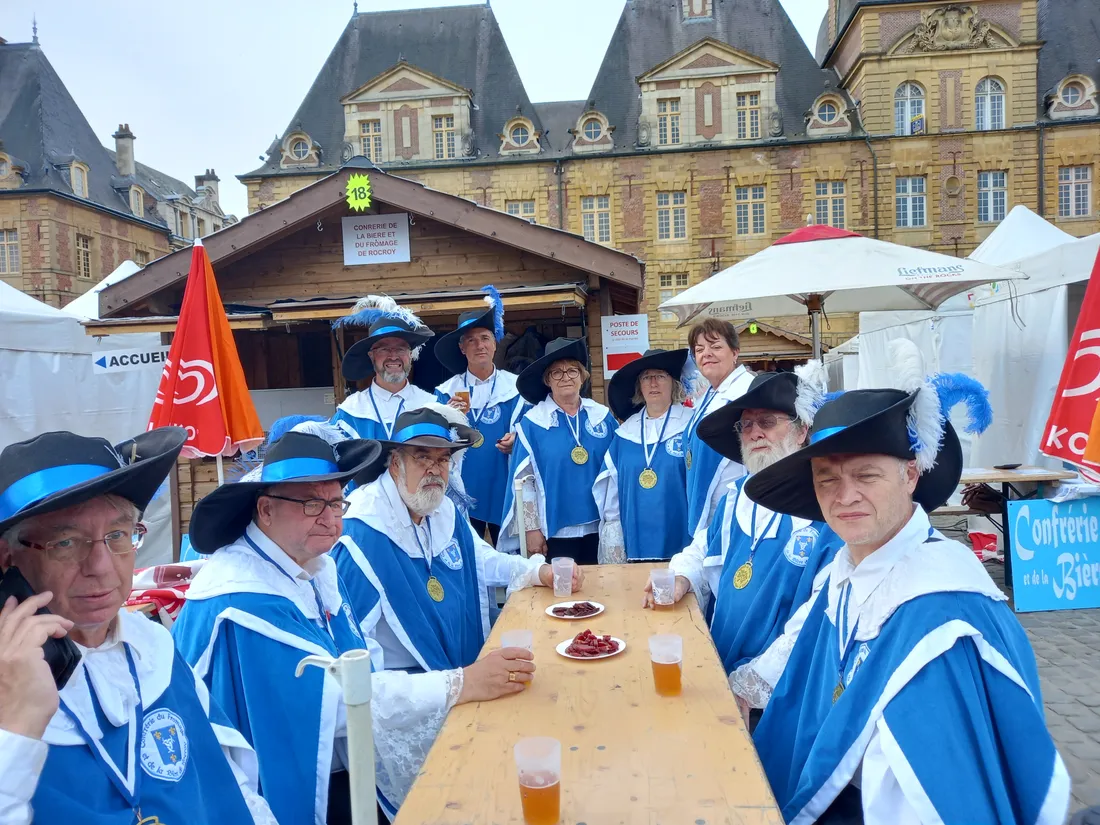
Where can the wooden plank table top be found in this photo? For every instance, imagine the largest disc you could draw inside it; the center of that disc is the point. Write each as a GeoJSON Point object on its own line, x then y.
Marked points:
{"type": "Point", "coordinates": [988, 475]}
{"type": "Point", "coordinates": [628, 755]}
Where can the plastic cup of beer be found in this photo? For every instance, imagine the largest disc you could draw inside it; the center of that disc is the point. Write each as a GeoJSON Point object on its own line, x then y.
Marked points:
{"type": "Point", "coordinates": [463, 395]}
{"type": "Point", "coordinates": [666, 654]}
{"type": "Point", "coordinates": [519, 638]}
{"type": "Point", "coordinates": [538, 763]}
{"type": "Point", "coordinates": [563, 576]}
{"type": "Point", "coordinates": [664, 588]}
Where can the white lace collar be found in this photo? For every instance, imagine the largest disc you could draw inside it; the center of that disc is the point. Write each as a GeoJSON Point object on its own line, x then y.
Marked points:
{"type": "Point", "coordinates": [545, 413]}
{"type": "Point", "coordinates": [631, 429]}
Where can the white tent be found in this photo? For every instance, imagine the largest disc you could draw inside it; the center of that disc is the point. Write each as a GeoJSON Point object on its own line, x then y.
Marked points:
{"type": "Point", "coordinates": [842, 365]}
{"type": "Point", "coordinates": [1021, 234]}
{"type": "Point", "coordinates": [86, 306]}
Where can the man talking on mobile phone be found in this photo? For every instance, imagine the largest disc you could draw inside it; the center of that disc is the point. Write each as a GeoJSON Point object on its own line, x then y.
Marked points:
{"type": "Point", "coordinates": [131, 734]}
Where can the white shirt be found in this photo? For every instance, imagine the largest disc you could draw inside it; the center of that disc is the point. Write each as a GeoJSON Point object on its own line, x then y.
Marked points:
{"type": "Point", "coordinates": [733, 386]}
{"type": "Point", "coordinates": [391, 404]}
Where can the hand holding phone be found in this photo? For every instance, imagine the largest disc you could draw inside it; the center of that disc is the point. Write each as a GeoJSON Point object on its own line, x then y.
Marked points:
{"type": "Point", "coordinates": [28, 690]}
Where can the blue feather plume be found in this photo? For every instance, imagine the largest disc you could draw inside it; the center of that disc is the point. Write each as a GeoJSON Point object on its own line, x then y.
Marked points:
{"type": "Point", "coordinates": [369, 309]}
{"type": "Point", "coordinates": [285, 424]}
{"type": "Point", "coordinates": [363, 318]}
{"type": "Point", "coordinates": [832, 396]}
{"type": "Point", "coordinates": [956, 388]}
{"type": "Point", "coordinates": [492, 297]}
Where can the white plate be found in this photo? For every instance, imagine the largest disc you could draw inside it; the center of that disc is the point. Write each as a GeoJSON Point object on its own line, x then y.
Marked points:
{"type": "Point", "coordinates": [550, 610]}
{"type": "Point", "coordinates": [563, 645]}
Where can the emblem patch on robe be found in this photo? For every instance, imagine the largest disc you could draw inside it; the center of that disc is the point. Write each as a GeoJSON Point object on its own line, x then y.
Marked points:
{"type": "Point", "coordinates": [354, 625]}
{"type": "Point", "coordinates": [164, 746]}
{"type": "Point", "coordinates": [675, 446]}
{"type": "Point", "coordinates": [861, 656]}
{"type": "Point", "coordinates": [452, 555]}
{"type": "Point", "coordinates": [596, 430]}
{"type": "Point", "coordinates": [800, 545]}
{"type": "Point", "coordinates": [491, 415]}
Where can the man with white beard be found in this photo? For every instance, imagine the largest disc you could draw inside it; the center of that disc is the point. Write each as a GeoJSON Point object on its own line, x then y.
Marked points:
{"type": "Point", "coordinates": [415, 571]}
{"type": "Point", "coordinates": [758, 565]}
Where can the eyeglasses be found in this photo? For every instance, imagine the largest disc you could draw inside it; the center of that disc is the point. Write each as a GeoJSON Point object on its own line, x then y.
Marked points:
{"type": "Point", "coordinates": [313, 507]}
{"type": "Point", "coordinates": [655, 376]}
{"type": "Point", "coordinates": [764, 422]}
{"type": "Point", "coordinates": [558, 373]}
{"type": "Point", "coordinates": [394, 350]}
{"type": "Point", "coordinates": [77, 549]}
{"type": "Point", "coordinates": [426, 462]}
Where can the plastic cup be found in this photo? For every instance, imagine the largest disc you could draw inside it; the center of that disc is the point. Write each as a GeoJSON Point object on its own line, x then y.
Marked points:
{"type": "Point", "coordinates": [538, 764]}
{"type": "Point", "coordinates": [666, 654]}
{"type": "Point", "coordinates": [463, 395]}
{"type": "Point", "coordinates": [563, 576]}
{"type": "Point", "coordinates": [519, 638]}
{"type": "Point", "coordinates": [664, 588]}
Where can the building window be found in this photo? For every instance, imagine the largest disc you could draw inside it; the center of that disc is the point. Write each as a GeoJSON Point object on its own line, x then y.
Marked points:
{"type": "Point", "coordinates": [83, 257]}
{"type": "Point", "coordinates": [520, 135]}
{"type": "Point", "coordinates": [1074, 191]}
{"type": "Point", "coordinates": [79, 179]}
{"type": "Point", "coordinates": [670, 285]}
{"type": "Point", "coordinates": [668, 121]}
{"type": "Point", "coordinates": [830, 206]}
{"type": "Point", "coordinates": [137, 201]}
{"type": "Point", "coordinates": [826, 112]}
{"type": "Point", "coordinates": [596, 218]}
{"type": "Point", "coordinates": [443, 128]}
{"type": "Point", "coordinates": [909, 110]}
{"type": "Point", "coordinates": [299, 149]}
{"type": "Point", "coordinates": [992, 196]}
{"type": "Point", "coordinates": [5, 167]}
{"type": "Point", "coordinates": [1072, 94]}
{"type": "Point", "coordinates": [201, 228]}
{"type": "Point", "coordinates": [141, 257]}
{"type": "Point", "coordinates": [989, 104]}
{"type": "Point", "coordinates": [671, 215]}
{"type": "Point", "coordinates": [750, 210]}
{"type": "Point", "coordinates": [748, 115]}
{"type": "Point", "coordinates": [9, 251]}
{"type": "Point", "coordinates": [909, 203]}
{"type": "Point", "coordinates": [521, 209]}
{"type": "Point", "coordinates": [593, 128]}
{"type": "Point", "coordinates": [370, 140]}
{"type": "Point", "coordinates": [183, 224]}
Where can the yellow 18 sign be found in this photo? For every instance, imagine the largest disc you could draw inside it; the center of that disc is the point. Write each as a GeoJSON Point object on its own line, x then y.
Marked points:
{"type": "Point", "coordinates": [358, 191]}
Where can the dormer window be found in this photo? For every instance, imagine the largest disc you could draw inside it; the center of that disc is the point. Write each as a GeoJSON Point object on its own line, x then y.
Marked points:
{"type": "Point", "coordinates": [298, 149]}
{"type": "Point", "coordinates": [137, 201]}
{"type": "Point", "coordinates": [1072, 94]}
{"type": "Point", "coordinates": [827, 116]}
{"type": "Point", "coordinates": [78, 179]}
{"type": "Point", "coordinates": [1075, 97]}
{"type": "Point", "coordinates": [592, 129]}
{"type": "Point", "coordinates": [826, 112]}
{"type": "Point", "coordinates": [520, 135]}
{"type": "Point", "coordinates": [592, 133]}
{"type": "Point", "coordinates": [5, 167]}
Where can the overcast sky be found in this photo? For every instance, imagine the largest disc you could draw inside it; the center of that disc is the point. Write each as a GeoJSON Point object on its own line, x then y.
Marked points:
{"type": "Point", "coordinates": [210, 83]}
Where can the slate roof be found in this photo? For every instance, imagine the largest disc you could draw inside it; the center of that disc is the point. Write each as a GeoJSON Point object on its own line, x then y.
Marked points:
{"type": "Point", "coordinates": [557, 119]}
{"type": "Point", "coordinates": [651, 31]}
{"type": "Point", "coordinates": [462, 44]}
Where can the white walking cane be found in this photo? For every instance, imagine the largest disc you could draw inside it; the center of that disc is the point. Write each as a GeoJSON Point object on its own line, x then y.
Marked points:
{"type": "Point", "coordinates": [352, 671]}
{"type": "Point", "coordinates": [521, 525]}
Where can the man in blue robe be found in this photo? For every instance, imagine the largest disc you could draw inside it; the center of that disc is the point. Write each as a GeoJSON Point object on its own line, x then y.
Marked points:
{"type": "Point", "coordinates": [127, 734]}
{"type": "Point", "coordinates": [413, 567]}
{"type": "Point", "coordinates": [489, 398]}
{"type": "Point", "coordinates": [911, 693]}
{"type": "Point", "coordinates": [758, 565]}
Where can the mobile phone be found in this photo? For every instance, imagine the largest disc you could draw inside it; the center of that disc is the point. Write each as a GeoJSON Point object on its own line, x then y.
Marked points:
{"type": "Point", "coordinates": [61, 654]}
{"type": "Point", "coordinates": [1005, 466]}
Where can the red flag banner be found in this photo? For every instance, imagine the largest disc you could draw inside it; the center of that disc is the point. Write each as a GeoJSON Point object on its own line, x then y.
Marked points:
{"type": "Point", "coordinates": [202, 386]}
{"type": "Point", "coordinates": [1075, 402]}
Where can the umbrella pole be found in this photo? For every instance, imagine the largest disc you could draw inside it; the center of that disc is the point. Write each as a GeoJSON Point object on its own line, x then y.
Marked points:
{"type": "Point", "coordinates": [221, 470]}
{"type": "Point", "coordinates": [813, 305]}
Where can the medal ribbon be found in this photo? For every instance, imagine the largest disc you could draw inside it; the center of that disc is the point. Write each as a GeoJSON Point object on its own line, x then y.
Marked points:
{"type": "Point", "coordinates": [492, 391]}
{"type": "Point", "coordinates": [569, 421]}
{"type": "Point", "coordinates": [388, 428]}
{"type": "Point", "coordinates": [645, 449]}
{"type": "Point", "coordinates": [323, 617]}
{"type": "Point", "coordinates": [130, 785]}
{"type": "Point", "coordinates": [755, 538]}
{"type": "Point", "coordinates": [416, 535]}
{"type": "Point", "coordinates": [699, 413]}
{"type": "Point", "coordinates": [844, 641]}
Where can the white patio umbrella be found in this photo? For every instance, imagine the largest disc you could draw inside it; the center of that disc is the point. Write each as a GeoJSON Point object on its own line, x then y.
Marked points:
{"type": "Point", "coordinates": [818, 266]}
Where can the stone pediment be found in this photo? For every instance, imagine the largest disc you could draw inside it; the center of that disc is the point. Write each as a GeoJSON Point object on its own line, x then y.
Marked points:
{"type": "Point", "coordinates": [404, 81]}
{"type": "Point", "coordinates": [708, 58]}
{"type": "Point", "coordinates": [954, 27]}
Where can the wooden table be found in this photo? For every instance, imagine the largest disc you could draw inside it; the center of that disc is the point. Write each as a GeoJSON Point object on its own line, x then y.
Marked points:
{"type": "Point", "coordinates": [628, 755]}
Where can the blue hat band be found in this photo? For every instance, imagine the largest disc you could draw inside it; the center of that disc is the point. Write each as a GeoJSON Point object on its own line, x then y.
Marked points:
{"type": "Point", "coordinates": [469, 321]}
{"type": "Point", "coordinates": [290, 469]}
{"type": "Point", "coordinates": [415, 430]}
{"type": "Point", "coordinates": [31, 489]}
{"type": "Point", "coordinates": [383, 330]}
{"type": "Point", "coordinates": [828, 431]}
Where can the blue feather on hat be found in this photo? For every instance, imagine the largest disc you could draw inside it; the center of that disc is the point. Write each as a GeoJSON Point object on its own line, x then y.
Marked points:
{"type": "Point", "coordinates": [288, 422]}
{"type": "Point", "coordinates": [493, 299]}
{"type": "Point", "coordinates": [955, 388]}
{"type": "Point", "coordinates": [369, 309]}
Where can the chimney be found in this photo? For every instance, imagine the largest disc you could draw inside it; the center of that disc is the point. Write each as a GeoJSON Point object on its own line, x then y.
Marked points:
{"type": "Point", "coordinates": [124, 150]}
{"type": "Point", "coordinates": [208, 184]}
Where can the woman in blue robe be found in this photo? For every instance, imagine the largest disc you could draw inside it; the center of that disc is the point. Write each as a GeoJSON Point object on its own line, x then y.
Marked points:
{"type": "Point", "coordinates": [560, 447]}
{"type": "Point", "coordinates": [642, 491]}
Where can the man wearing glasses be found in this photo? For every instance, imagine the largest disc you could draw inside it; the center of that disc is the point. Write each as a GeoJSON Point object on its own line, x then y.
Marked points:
{"type": "Point", "coordinates": [121, 731]}
{"type": "Point", "coordinates": [758, 565]}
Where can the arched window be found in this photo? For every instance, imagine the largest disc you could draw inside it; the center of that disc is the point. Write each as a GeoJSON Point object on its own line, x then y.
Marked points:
{"type": "Point", "coordinates": [909, 110]}
{"type": "Point", "coordinates": [520, 135]}
{"type": "Point", "coordinates": [1072, 93]}
{"type": "Point", "coordinates": [592, 129]}
{"type": "Point", "coordinates": [989, 104]}
{"type": "Point", "coordinates": [299, 149]}
{"type": "Point", "coordinates": [826, 112]}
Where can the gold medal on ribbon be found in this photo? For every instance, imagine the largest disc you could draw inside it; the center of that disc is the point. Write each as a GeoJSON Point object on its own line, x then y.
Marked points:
{"type": "Point", "coordinates": [687, 459]}
{"type": "Point", "coordinates": [148, 820]}
{"type": "Point", "coordinates": [579, 454]}
{"type": "Point", "coordinates": [479, 440]}
{"type": "Point", "coordinates": [435, 589]}
{"type": "Point", "coordinates": [648, 479]}
{"type": "Point", "coordinates": [837, 691]}
{"type": "Point", "coordinates": [742, 575]}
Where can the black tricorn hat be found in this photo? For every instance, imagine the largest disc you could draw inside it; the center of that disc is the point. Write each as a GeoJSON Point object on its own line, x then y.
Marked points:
{"type": "Point", "coordinates": [529, 382]}
{"type": "Point", "coordinates": [56, 470]}
{"type": "Point", "coordinates": [768, 391]}
{"type": "Point", "coordinates": [296, 458]}
{"type": "Point", "coordinates": [357, 364]}
{"type": "Point", "coordinates": [859, 422]}
{"type": "Point", "coordinates": [621, 387]}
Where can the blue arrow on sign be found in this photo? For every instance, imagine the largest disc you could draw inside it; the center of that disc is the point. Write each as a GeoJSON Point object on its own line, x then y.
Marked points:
{"type": "Point", "coordinates": [102, 362]}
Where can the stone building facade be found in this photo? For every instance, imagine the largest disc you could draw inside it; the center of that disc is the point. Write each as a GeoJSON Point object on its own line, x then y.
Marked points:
{"type": "Point", "coordinates": [711, 131]}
